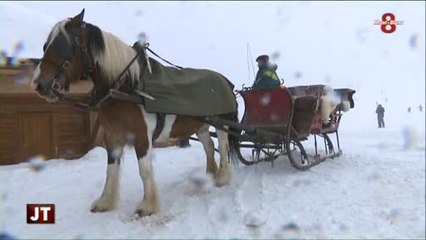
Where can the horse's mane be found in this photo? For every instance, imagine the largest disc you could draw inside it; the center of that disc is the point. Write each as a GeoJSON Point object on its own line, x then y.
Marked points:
{"type": "Point", "coordinates": [110, 54]}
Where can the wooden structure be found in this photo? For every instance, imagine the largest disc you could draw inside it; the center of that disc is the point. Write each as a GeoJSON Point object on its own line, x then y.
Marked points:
{"type": "Point", "coordinates": [30, 126]}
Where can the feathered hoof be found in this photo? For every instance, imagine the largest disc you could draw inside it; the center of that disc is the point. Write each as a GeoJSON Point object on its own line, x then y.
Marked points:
{"type": "Point", "coordinates": [141, 213]}
{"type": "Point", "coordinates": [223, 177]}
{"type": "Point", "coordinates": [103, 204]}
{"type": "Point", "coordinates": [97, 209]}
{"type": "Point", "coordinates": [147, 208]}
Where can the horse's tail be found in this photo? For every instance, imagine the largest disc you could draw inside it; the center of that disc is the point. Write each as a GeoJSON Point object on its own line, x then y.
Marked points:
{"type": "Point", "coordinates": [234, 143]}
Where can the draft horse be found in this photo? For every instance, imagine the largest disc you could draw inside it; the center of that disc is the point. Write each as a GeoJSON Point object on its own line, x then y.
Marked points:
{"type": "Point", "coordinates": [75, 49]}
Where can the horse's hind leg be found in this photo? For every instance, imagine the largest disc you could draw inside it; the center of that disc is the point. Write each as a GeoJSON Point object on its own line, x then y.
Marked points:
{"type": "Point", "coordinates": [110, 195]}
{"type": "Point", "coordinates": [150, 203]}
{"type": "Point", "coordinates": [208, 145]}
{"type": "Point", "coordinates": [224, 173]}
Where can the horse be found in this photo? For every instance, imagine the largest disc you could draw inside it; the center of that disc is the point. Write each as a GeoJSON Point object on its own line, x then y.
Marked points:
{"type": "Point", "coordinates": [76, 49]}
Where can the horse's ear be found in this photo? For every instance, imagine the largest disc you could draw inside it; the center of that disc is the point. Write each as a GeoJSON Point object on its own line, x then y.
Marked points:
{"type": "Point", "coordinates": [79, 18]}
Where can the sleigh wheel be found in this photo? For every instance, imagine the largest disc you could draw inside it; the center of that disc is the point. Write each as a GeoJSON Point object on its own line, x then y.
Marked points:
{"type": "Point", "coordinates": [329, 148]}
{"type": "Point", "coordinates": [251, 153]}
{"type": "Point", "coordinates": [297, 155]}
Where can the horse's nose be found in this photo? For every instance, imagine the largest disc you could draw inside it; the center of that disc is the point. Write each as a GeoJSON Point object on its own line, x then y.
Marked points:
{"type": "Point", "coordinates": [39, 87]}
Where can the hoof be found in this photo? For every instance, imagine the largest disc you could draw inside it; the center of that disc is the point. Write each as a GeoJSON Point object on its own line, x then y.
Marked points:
{"type": "Point", "coordinates": [96, 209]}
{"type": "Point", "coordinates": [211, 174]}
{"type": "Point", "coordinates": [103, 204]}
{"type": "Point", "coordinates": [141, 213]}
{"type": "Point", "coordinates": [223, 177]}
{"type": "Point", "coordinates": [147, 208]}
{"type": "Point", "coordinates": [221, 183]}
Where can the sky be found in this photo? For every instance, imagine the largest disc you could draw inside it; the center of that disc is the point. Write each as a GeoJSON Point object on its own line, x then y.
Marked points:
{"type": "Point", "coordinates": [333, 43]}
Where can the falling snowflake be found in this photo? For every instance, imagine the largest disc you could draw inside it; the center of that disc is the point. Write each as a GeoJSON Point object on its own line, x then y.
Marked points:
{"type": "Point", "coordinates": [7, 236]}
{"type": "Point", "coordinates": [265, 100]}
{"type": "Point", "coordinates": [291, 227]}
{"type": "Point", "coordinates": [274, 117]}
{"type": "Point", "coordinates": [129, 138]}
{"type": "Point", "coordinates": [22, 78]}
{"type": "Point", "coordinates": [37, 163]}
{"type": "Point", "coordinates": [409, 138]}
{"type": "Point", "coordinates": [298, 74]}
{"type": "Point", "coordinates": [18, 48]}
{"type": "Point", "coordinates": [393, 215]}
{"type": "Point", "coordinates": [200, 183]}
{"type": "Point", "coordinates": [414, 41]}
{"type": "Point", "coordinates": [116, 153]}
{"type": "Point", "coordinates": [275, 55]}
{"type": "Point", "coordinates": [253, 220]}
{"type": "Point", "coordinates": [142, 37]}
{"type": "Point", "coordinates": [362, 34]}
{"type": "Point", "coordinates": [138, 12]}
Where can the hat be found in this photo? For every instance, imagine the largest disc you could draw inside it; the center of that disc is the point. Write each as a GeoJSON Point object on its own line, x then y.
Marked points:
{"type": "Point", "coordinates": [262, 58]}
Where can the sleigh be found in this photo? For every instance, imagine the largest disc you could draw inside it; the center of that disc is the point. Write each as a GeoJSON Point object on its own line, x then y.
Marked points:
{"type": "Point", "coordinates": [277, 121]}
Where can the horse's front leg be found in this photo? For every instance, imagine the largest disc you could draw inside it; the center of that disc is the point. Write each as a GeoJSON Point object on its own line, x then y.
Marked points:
{"type": "Point", "coordinates": [110, 195]}
{"type": "Point", "coordinates": [150, 203]}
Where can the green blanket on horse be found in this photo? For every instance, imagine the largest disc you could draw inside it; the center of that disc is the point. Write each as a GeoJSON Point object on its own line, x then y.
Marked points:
{"type": "Point", "coordinates": [186, 91]}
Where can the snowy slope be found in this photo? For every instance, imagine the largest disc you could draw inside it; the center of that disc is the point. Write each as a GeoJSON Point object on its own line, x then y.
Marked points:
{"type": "Point", "coordinates": [375, 190]}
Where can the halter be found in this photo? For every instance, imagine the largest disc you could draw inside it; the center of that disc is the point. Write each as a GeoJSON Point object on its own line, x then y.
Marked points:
{"type": "Point", "coordinates": [88, 65]}
{"type": "Point", "coordinates": [95, 101]}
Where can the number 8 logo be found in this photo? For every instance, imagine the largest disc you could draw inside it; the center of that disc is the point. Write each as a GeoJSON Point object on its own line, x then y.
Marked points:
{"type": "Point", "coordinates": [388, 23]}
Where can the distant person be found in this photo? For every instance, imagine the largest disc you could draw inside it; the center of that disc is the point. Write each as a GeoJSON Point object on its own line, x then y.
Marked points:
{"type": "Point", "coordinates": [409, 109]}
{"type": "Point", "coordinates": [266, 76]}
{"type": "Point", "coordinates": [420, 108]}
{"type": "Point", "coordinates": [380, 111]}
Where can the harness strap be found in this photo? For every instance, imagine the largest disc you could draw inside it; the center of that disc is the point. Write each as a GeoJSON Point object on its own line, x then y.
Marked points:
{"type": "Point", "coordinates": [155, 54]}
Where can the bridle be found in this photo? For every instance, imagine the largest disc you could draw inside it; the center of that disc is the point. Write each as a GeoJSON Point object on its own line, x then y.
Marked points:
{"type": "Point", "coordinates": [95, 101]}
{"type": "Point", "coordinates": [88, 65]}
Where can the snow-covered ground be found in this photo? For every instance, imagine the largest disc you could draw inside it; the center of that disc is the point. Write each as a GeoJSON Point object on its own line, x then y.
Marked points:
{"type": "Point", "coordinates": [375, 190]}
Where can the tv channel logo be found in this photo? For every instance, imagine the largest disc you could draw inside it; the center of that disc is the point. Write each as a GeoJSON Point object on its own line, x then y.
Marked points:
{"type": "Point", "coordinates": [40, 213]}
{"type": "Point", "coordinates": [388, 23]}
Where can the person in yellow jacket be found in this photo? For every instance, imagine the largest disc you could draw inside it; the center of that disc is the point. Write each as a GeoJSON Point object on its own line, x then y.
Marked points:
{"type": "Point", "coordinates": [266, 76]}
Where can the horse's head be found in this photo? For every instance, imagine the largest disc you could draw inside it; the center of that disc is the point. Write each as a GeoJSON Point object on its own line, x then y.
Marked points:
{"type": "Point", "coordinates": [66, 58]}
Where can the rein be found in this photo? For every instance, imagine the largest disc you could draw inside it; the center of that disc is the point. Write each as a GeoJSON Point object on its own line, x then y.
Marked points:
{"type": "Point", "coordinates": [94, 103]}
{"type": "Point", "coordinates": [155, 54]}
